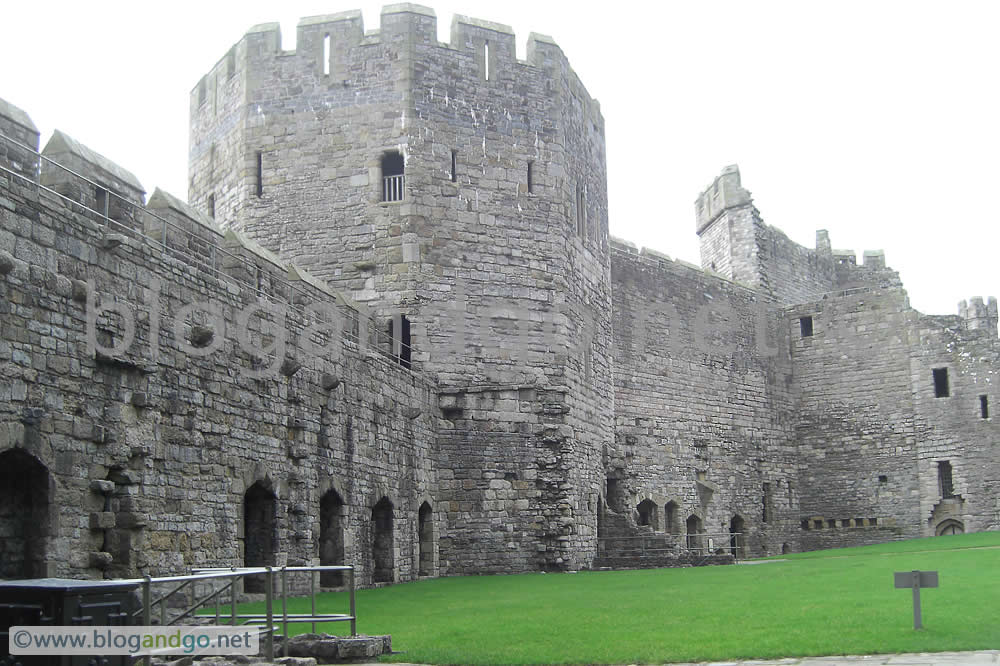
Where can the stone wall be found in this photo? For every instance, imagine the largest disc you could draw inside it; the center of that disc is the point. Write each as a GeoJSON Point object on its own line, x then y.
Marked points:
{"type": "Point", "coordinates": [703, 412]}
{"type": "Point", "coordinates": [152, 433]}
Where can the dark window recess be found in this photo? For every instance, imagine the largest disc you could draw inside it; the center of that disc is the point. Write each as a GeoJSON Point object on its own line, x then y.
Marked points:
{"type": "Point", "coordinates": [392, 176]}
{"type": "Point", "coordinates": [859, 522]}
{"type": "Point", "coordinates": [805, 524]}
{"type": "Point", "coordinates": [882, 478]}
{"type": "Point", "coordinates": [101, 201]}
{"type": "Point", "coordinates": [944, 480]}
{"type": "Point", "coordinates": [941, 383]}
{"type": "Point", "coordinates": [831, 523]}
{"type": "Point", "coordinates": [873, 521]}
{"type": "Point", "coordinates": [818, 524]}
{"type": "Point", "coordinates": [766, 503]}
{"type": "Point", "coordinates": [454, 166]}
{"type": "Point", "coordinates": [806, 326]}
{"type": "Point", "coordinates": [211, 205]}
{"type": "Point", "coordinates": [846, 522]}
{"type": "Point", "coordinates": [984, 407]}
{"type": "Point", "coordinates": [400, 343]}
{"type": "Point", "coordinates": [531, 177]}
{"type": "Point", "coordinates": [260, 173]}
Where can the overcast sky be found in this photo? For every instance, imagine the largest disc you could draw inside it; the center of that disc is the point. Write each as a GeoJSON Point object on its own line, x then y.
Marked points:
{"type": "Point", "coordinates": [875, 120]}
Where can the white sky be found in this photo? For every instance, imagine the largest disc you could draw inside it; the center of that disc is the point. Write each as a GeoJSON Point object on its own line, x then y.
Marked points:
{"type": "Point", "coordinates": [874, 120]}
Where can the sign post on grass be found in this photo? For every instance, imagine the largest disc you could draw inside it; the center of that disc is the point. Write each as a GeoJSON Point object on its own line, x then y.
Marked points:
{"type": "Point", "coordinates": [916, 580]}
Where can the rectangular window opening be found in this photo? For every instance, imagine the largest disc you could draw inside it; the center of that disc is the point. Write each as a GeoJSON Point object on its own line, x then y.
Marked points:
{"type": "Point", "coordinates": [831, 523]}
{"type": "Point", "coordinates": [401, 344]}
{"type": "Point", "coordinates": [766, 501]}
{"type": "Point", "coordinates": [486, 61]}
{"type": "Point", "coordinates": [454, 166]}
{"type": "Point", "coordinates": [806, 326]}
{"type": "Point", "coordinates": [945, 480]}
{"type": "Point", "coordinates": [260, 173]}
{"type": "Point", "coordinates": [101, 199]}
{"type": "Point", "coordinates": [805, 524]}
{"type": "Point", "coordinates": [941, 389]}
{"type": "Point", "coordinates": [883, 478]}
{"type": "Point", "coordinates": [531, 180]}
{"type": "Point", "coordinates": [231, 63]}
{"type": "Point", "coordinates": [873, 522]}
{"type": "Point", "coordinates": [326, 55]}
{"type": "Point", "coordinates": [859, 522]}
{"type": "Point", "coordinates": [211, 206]}
{"type": "Point", "coordinates": [818, 524]}
{"type": "Point", "coordinates": [984, 407]}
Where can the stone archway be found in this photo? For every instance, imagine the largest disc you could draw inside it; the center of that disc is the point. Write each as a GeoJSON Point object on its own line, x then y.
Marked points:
{"type": "Point", "coordinates": [425, 540]}
{"type": "Point", "coordinates": [24, 515]}
{"type": "Point", "coordinates": [647, 513]}
{"type": "Point", "coordinates": [694, 530]}
{"type": "Point", "coordinates": [950, 527]}
{"type": "Point", "coordinates": [259, 532]}
{"type": "Point", "coordinates": [737, 537]}
{"type": "Point", "coordinates": [332, 522]}
{"type": "Point", "coordinates": [383, 546]}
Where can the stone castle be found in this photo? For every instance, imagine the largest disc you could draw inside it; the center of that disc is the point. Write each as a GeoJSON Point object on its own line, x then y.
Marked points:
{"type": "Point", "coordinates": [390, 328]}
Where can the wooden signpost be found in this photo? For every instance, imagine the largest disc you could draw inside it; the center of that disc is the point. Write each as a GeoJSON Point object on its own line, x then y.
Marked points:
{"type": "Point", "coordinates": [916, 580]}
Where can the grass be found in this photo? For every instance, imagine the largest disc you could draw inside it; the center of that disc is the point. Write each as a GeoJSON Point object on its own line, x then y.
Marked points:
{"type": "Point", "coordinates": [820, 603]}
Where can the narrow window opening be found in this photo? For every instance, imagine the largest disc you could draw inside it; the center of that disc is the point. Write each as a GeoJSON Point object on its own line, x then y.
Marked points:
{"type": "Point", "coordinates": [326, 55]}
{"type": "Point", "coordinates": [873, 522]}
{"type": "Point", "coordinates": [392, 176]}
{"type": "Point", "coordinates": [612, 493]}
{"type": "Point", "coordinates": [984, 407]}
{"type": "Point", "coordinates": [804, 524]}
{"type": "Point", "coordinates": [260, 173]}
{"type": "Point", "coordinates": [818, 524]}
{"type": "Point", "coordinates": [400, 343]}
{"type": "Point", "coordinates": [846, 522]}
{"type": "Point", "coordinates": [859, 522]}
{"type": "Point", "coordinates": [766, 504]}
{"type": "Point", "coordinates": [581, 214]}
{"type": "Point", "coordinates": [454, 166]}
{"type": "Point", "coordinates": [831, 523]}
{"type": "Point", "coordinates": [101, 200]}
{"type": "Point", "coordinates": [945, 480]}
{"type": "Point", "coordinates": [941, 383]}
{"type": "Point", "coordinates": [486, 61]}
{"type": "Point", "coordinates": [202, 91]}
{"type": "Point", "coordinates": [531, 180]}
{"type": "Point", "coordinates": [883, 478]}
{"type": "Point", "coordinates": [211, 206]}
{"type": "Point", "coordinates": [230, 63]}
{"type": "Point", "coordinates": [694, 530]}
{"type": "Point", "coordinates": [806, 326]}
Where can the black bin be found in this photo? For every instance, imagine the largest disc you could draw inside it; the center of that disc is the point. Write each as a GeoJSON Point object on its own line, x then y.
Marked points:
{"type": "Point", "coordinates": [43, 602]}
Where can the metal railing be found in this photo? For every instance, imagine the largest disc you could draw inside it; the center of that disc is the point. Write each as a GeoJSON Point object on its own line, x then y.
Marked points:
{"type": "Point", "coordinates": [266, 622]}
{"type": "Point", "coordinates": [383, 343]}
{"type": "Point", "coordinates": [663, 543]}
{"type": "Point", "coordinates": [392, 188]}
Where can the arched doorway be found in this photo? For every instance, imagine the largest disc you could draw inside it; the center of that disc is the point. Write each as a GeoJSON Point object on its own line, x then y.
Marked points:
{"type": "Point", "coordinates": [425, 536]}
{"type": "Point", "coordinates": [672, 511]}
{"type": "Point", "coordinates": [332, 519]}
{"type": "Point", "coordinates": [647, 513]}
{"type": "Point", "coordinates": [383, 557]}
{"type": "Point", "coordinates": [694, 529]}
{"type": "Point", "coordinates": [24, 515]}
{"type": "Point", "coordinates": [259, 532]}
{"type": "Point", "coordinates": [737, 537]}
{"type": "Point", "coordinates": [950, 527]}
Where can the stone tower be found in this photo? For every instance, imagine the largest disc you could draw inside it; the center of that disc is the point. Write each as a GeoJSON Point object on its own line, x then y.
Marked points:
{"type": "Point", "coordinates": [460, 194]}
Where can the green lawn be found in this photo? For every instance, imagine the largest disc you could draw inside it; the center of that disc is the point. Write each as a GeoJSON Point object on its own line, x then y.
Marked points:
{"type": "Point", "coordinates": [821, 603]}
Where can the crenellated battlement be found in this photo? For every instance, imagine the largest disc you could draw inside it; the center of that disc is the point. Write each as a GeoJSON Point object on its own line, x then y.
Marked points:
{"type": "Point", "coordinates": [979, 315]}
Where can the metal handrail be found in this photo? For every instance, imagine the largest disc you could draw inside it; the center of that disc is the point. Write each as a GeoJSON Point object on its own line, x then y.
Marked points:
{"type": "Point", "coordinates": [266, 620]}
{"type": "Point", "coordinates": [380, 336]}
